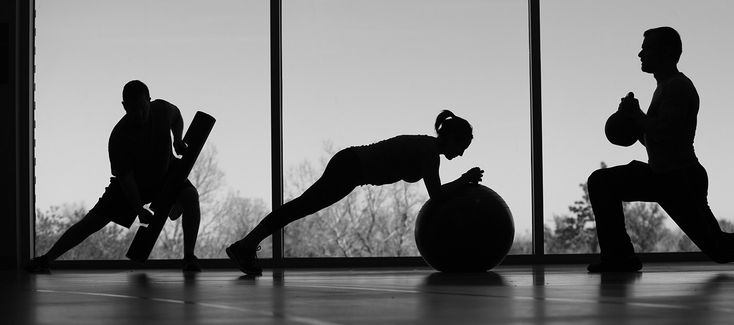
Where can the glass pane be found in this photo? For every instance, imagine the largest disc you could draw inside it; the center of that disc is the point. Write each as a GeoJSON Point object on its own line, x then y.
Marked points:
{"type": "Point", "coordinates": [211, 56]}
{"type": "Point", "coordinates": [357, 72]}
{"type": "Point", "coordinates": [589, 53]}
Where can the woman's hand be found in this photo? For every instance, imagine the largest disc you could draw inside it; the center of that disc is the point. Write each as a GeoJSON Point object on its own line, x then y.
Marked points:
{"type": "Point", "coordinates": [473, 176]}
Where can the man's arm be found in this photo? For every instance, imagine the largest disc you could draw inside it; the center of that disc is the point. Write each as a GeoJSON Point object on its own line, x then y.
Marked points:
{"type": "Point", "coordinates": [673, 110]}
{"type": "Point", "coordinates": [630, 107]}
{"type": "Point", "coordinates": [176, 124]}
{"type": "Point", "coordinates": [672, 114]}
{"type": "Point", "coordinates": [121, 163]}
{"type": "Point", "coordinates": [130, 189]}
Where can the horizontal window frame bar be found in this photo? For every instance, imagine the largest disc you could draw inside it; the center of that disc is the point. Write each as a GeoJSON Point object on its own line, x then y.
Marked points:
{"type": "Point", "coordinates": [364, 262]}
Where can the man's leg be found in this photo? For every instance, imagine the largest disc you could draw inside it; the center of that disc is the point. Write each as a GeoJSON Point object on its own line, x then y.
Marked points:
{"type": "Point", "coordinates": [111, 207]}
{"type": "Point", "coordinates": [608, 188]}
{"type": "Point", "coordinates": [77, 233]}
{"type": "Point", "coordinates": [73, 236]}
{"type": "Point", "coordinates": [188, 201]}
{"type": "Point", "coordinates": [685, 200]}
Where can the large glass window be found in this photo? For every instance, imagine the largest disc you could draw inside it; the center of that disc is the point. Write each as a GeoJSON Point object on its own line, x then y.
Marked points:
{"type": "Point", "coordinates": [357, 72]}
{"type": "Point", "coordinates": [589, 61]}
{"type": "Point", "coordinates": [211, 56]}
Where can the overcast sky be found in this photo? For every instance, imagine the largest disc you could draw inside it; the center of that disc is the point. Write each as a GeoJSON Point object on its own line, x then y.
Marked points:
{"type": "Point", "coordinates": [355, 72]}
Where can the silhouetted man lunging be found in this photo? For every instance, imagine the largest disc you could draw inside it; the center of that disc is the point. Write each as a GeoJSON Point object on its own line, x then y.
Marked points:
{"type": "Point", "coordinates": [140, 155]}
{"type": "Point", "coordinates": [672, 177]}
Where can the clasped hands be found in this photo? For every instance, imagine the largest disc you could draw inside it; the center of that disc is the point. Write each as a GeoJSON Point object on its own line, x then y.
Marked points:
{"type": "Point", "coordinates": [473, 176]}
{"type": "Point", "coordinates": [629, 105]}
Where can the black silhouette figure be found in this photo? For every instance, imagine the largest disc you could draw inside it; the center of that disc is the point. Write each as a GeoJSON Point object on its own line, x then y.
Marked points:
{"type": "Point", "coordinates": [405, 157]}
{"type": "Point", "coordinates": [672, 177]}
{"type": "Point", "coordinates": [140, 154]}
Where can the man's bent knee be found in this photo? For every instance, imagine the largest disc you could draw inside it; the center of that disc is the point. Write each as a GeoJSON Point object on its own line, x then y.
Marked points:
{"type": "Point", "coordinates": [597, 179]}
{"type": "Point", "coordinates": [188, 194]}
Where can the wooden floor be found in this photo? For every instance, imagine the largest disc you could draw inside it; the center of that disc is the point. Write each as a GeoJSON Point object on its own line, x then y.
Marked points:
{"type": "Point", "coordinates": [664, 294]}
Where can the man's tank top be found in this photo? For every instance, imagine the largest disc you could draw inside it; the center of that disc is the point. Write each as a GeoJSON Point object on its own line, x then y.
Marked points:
{"type": "Point", "coordinates": [672, 125]}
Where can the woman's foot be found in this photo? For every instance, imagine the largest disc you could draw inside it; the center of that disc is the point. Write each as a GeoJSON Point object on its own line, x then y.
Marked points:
{"type": "Point", "coordinates": [38, 264]}
{"type": "Point", "coordinates": [246, 259]}
{"type": "Point", "coordinates": [191, 264]}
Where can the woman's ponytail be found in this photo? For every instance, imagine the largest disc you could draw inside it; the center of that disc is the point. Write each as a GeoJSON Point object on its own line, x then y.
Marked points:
{"type": "Point", "coordinates": [448, 124]}
{"type": "Point", "coordinates": [441, 118]}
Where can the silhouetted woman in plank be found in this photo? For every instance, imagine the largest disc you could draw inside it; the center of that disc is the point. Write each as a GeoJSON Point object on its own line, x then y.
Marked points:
{"type": "Point", "coordinates": [406, 157]}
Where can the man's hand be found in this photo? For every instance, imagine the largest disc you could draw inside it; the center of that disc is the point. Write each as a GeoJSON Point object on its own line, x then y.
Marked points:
{"type": "Point", "coordinates": [145, 216]}
{"type": "Point", "coordinates": [630, 105]}
{"type": "Point", "coordinates": [473, 176]}
{"type": "Point", "coordinates": [180, 147]}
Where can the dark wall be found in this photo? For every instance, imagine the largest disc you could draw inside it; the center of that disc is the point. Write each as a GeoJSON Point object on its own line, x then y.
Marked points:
{"type": "Point", "coordinates": [15, 140]}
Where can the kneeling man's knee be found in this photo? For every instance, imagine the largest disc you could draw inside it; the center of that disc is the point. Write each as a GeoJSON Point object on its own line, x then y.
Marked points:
{"type": "Point", "coordinates": [596, 179]}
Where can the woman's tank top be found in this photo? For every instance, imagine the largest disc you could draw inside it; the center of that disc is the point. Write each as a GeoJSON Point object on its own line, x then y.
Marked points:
{"type": "Point", "coordinates": [394, 159]}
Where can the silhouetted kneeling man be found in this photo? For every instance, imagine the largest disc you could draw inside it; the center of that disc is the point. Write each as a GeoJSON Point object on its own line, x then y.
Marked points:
{"type": "Point", "coordinates": [673, 176]}
{"type": "Point", "coordinates": [140, 155]}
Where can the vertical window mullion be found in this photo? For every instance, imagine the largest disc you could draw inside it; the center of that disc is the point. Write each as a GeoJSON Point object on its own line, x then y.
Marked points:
{"type": "Point", "coordinates": [276, 111]}
{"type": "Point", "coordinates": [536, 145]}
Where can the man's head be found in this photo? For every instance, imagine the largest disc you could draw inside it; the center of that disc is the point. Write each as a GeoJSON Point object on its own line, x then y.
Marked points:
{"type": "Point", "coordinates": [136, 100]}
{"type": "Point", "coordinates": [661, 49]}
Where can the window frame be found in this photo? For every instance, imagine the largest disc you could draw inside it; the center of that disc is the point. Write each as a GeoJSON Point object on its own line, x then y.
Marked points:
{"type": "Point", "coordinates": [25, 158]}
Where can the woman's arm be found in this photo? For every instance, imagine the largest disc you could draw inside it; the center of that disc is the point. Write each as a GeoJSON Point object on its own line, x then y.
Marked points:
{"type": "Point", "coordinates": [437, 191]}
{"type": "Point", "coordinates": [432, 180]}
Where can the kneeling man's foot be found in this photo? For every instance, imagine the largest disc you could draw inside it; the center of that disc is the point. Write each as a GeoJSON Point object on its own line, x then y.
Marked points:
{"type": "Point", "coordinates": [246, 259]}
{"type": "Point", "coordinates": [630, 264]}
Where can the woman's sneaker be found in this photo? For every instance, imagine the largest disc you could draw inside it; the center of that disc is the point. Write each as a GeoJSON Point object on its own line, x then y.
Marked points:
{"type": "Point", "coordinates": [246, 260]}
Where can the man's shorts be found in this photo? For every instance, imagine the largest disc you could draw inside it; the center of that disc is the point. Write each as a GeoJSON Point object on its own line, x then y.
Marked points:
{"type": "Point", "coordinates": [114, 206]}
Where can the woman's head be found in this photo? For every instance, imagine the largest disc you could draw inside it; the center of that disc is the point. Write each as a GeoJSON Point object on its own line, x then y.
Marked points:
{"type": "Point", "coordinates": [454, 133]}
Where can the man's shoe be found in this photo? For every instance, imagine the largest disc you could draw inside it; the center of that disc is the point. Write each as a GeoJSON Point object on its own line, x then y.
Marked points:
{"type": "Point", "coordinates": [245, 259]}
{"type": "Point", "coordinates": [191, 264]}
{"type": "Point", "coordinates": [38, 265]}
{"type": "Point", "coordinates": [630, 264]}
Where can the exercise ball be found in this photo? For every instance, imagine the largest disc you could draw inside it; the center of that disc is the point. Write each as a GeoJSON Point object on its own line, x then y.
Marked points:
{"type": "Point", "coordinates": [471, 230]}
{"type": "Point", "coordinates": [620, 129]}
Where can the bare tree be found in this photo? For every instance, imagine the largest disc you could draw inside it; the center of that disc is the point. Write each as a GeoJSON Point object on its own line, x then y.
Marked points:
{"type": "Point", "coordinates": [109, 243]}
{"type": "Point", "coordinates": [225, 215]}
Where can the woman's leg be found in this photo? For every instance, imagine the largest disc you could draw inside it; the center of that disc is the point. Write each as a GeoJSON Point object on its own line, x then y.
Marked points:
{"type": "Point", "coordinates": [339, 179]}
